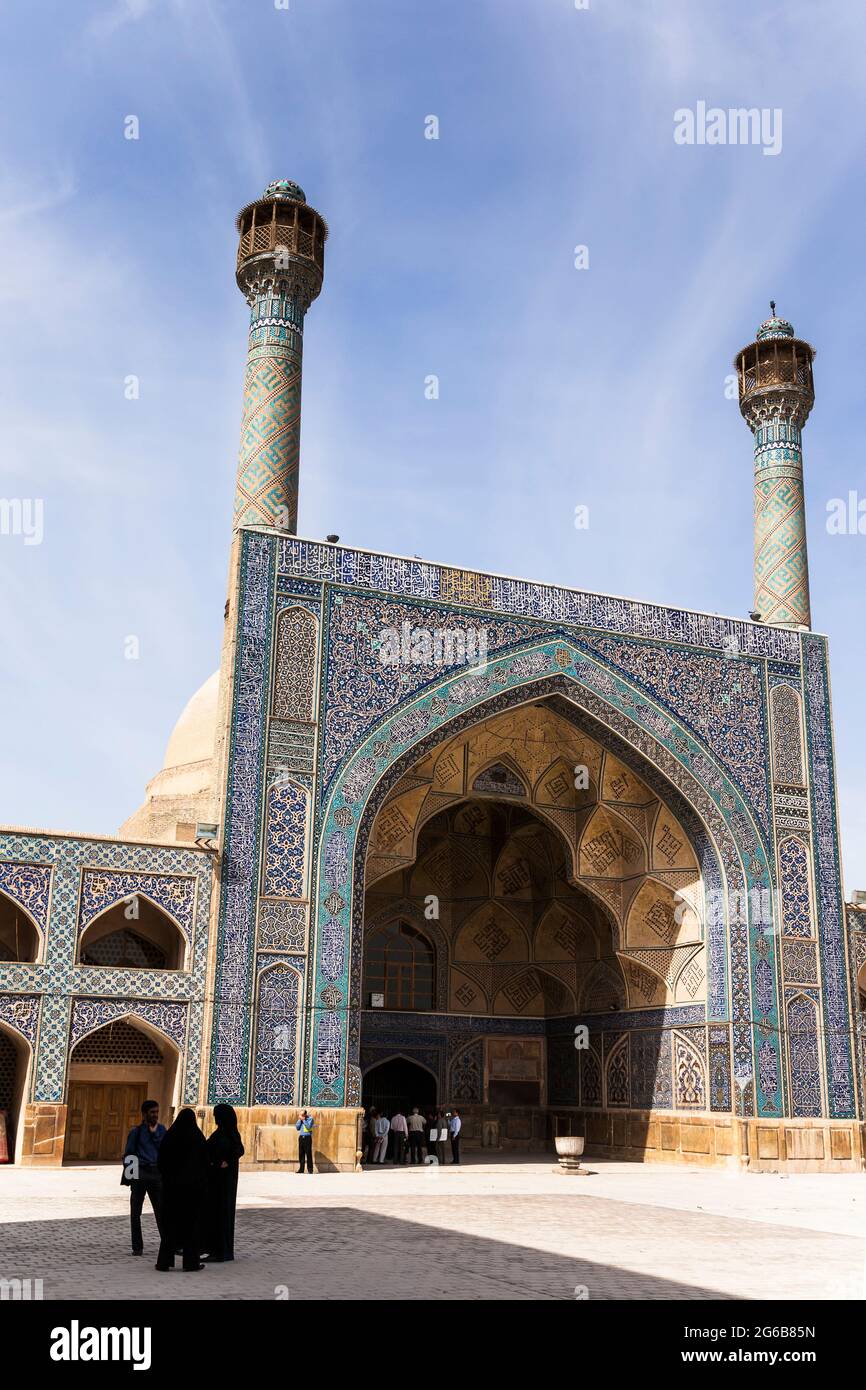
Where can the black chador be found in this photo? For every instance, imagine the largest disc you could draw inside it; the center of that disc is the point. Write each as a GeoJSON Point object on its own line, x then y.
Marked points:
{"type": "Point", "coordinates": [224, 1151]}
{"type": "Point", "coordinates": [184, 1168]}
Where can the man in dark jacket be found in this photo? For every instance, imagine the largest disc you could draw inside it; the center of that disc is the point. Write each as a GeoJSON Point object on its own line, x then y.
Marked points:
{"type": "Point", "coordinates": [141, 1173]}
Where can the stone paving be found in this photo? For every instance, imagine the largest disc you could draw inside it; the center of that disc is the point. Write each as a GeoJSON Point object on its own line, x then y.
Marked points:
{"type": "Point", "coordinates": [511, 1229]}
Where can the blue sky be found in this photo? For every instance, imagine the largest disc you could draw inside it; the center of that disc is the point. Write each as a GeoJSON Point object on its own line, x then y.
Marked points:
{"type": "Point", "coordinates": [603, 387]}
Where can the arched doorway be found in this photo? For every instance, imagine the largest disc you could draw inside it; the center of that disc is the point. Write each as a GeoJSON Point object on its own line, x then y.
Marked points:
{"type": "Point", "coordinates": [19, 939]}
{"type": "Point", "coordinates": [14, 1070]}
{"type": "Point", "coordinates": [112, 1071]}
{"type": "Point", "coordinates": [555, 887]}
{"type": "Point", "coordinates": [134, 934]}
{"type": "Point", "coordinates": [399, 1084]}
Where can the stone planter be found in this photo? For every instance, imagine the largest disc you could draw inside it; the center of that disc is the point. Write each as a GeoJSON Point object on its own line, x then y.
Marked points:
{"type": "Point", "coordinates": [569, 1151]}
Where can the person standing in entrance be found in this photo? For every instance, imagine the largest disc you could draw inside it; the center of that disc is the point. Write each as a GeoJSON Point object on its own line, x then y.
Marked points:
{"type": "Point", "coordinates": [416, 1136]}
{"type": "Point", "coordinates": [304, 1127]}
{"type": "Point", "coordinates": [399, 1130]}
{"type": "Point", "coordinates": [383, 1124]}
{"type": "Point", "coordinates": [455, 1124]}
{"type": "Point", "coordinates": [141, 1172]}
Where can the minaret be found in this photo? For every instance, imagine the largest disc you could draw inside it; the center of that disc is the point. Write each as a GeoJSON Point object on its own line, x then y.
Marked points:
{"type": "Point", "coordinates": [281, 261]}
{"type": "Point", "coordinates": [776, 395]}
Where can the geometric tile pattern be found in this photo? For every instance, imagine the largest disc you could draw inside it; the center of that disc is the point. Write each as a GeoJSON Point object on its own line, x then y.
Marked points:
{"type": "Point", "coordinates": [159, 871]}
{"type": "Point", "coordinates": [90, 1014]}
{"type": "Point", "coordinates": [231, 1042]}
{"type": "Point", "coordinates": [28, 885]}
{"type": "Point", "coordinates": [101, 890]}
{"type": "Point", "coordinates": [267, 477]}
{"type": "Point", "coordinates": [285, 842]}
{"type": "Point", "coordinates": [277, 1035]}
{"type": "Point", "coordinates": [834, 992]}
{"type": "Point", "coordinates": [804, 1051]}
{"type": "Point", "coordinates": [787, 741]}
{"type": "Point", "coordinates": [726, 808]}
{"type": "Point", "coordinates": [794, 873]}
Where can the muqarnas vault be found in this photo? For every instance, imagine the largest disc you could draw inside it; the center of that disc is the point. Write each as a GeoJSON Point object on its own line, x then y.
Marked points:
{"type": "Point", "coordinates": [566, 861]}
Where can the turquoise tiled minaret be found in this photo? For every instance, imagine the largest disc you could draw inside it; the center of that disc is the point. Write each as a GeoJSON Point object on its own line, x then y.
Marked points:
{"type": "Point", "coordinates": [776, 395]}
{"type": "Point", "coordinates": [281, 260]}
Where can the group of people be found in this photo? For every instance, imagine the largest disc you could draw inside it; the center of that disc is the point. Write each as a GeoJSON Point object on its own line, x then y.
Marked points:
{"type": "Point", "coordinates": [192, 1183]}
{"type": "Point", "coordinates": [414, 1138]}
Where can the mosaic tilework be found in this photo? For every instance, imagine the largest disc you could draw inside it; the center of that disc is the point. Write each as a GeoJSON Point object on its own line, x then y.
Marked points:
{"type": "Point", "coordinates": [840, 1080]}
{"type": "Point", "coordinates": [267, 479]}
{"type": "Point", "coordinates": [803, 1012]}
{"type": "Point", "coordinates": [282, 926]}
{"type": "Point", "coordinates": [651, 1082]}
{"type": "Point", "coordinates": [616, 1070]}
{"type": "Point", "coordinates": [101, 890]}
{"type": "Point", "coordinates": [720, 698]}
{"type": "Point", "coordinates": [690, 1070]}
{"type": "Point", "coordinates": [389, 574]}
{"type": "Point", "coordinates": [285, 842]}
{"type": "Point", "coordinates": [794, 874]}
{"type": "Point", "coordinates": [466, 1075]}
{"type": "Point", "coordinates": [720, 1068]}
{"type": "Point", "coordinates": [232, 1013]}
{"type": "Point", "coordinates": [294, 674]}
{"type": "Point", "coordinates": [787, 739]}
{"type": "Point", "coordinates": [167, 1018]}
{"type": "Point", "coordinates": [28, 885]}
{"type": "Point", "coordinates": [279, 988]}
{"type": "Point", "coordinates": [61, 979]}
{"type": "Point", "coordinates": [21, 1012]}
{"type": "Point", "coordinates": [432, 711]}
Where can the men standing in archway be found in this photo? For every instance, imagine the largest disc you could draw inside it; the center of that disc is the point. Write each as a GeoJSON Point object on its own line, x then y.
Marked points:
{"type": "Point", "coordinates": [141, 1173]}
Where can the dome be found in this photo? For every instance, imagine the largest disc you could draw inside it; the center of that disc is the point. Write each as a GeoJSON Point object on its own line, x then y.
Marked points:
{"type": "Point", "coordinates": [285, 188]}
{"type": "Point", "coordinates": [183, 792]}
{"type": "Point", "coordinates": [774, 327]}
{"type": "Point", "coordinates": [192, 737]}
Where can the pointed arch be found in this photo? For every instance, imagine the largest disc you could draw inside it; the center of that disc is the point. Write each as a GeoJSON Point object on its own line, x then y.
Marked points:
{"type": "Point", "coordinates": [133, 933]}
{"type": "Point", "coordinates": [21, 938]}
{"type": "Point", "coordinates": [277, 1044]}
{"type": "Point", "coordinates": [668, 751]}
{"type": "Point", "coordinates": [296, 645]}
{"type": "Point", "coordinates": [16, 1070]}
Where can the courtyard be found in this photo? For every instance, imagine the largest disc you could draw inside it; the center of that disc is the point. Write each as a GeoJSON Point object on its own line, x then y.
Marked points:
{"type": "Point", "coordinates": [511, 1228]}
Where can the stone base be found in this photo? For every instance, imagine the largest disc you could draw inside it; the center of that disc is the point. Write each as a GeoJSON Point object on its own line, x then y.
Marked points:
{"type": "Point", "coordinates": [271, 1140]}
{"type": "Point", "coordinates": [707, 1140]}
{"type": "Point", "coordinates": [44, 1135]}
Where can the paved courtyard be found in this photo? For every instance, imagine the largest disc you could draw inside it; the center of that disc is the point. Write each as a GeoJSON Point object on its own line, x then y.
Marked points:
{"type": "Point", "coordinates": [510, 1229]}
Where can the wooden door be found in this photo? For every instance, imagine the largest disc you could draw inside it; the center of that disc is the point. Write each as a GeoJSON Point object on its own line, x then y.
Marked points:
{"type": "Point", "coordinates": [99, 1117]}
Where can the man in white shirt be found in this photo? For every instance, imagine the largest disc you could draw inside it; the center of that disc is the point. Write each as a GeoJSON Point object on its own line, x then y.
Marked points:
{"type": "Point", "coordinates": [383, 1124]}
{"type": "Point", "coordinates": [416, 1136]}
{"type": "Point", "coordinates": [399, 1130]}
{"type": "Point", "coordinates": [455, 1124]}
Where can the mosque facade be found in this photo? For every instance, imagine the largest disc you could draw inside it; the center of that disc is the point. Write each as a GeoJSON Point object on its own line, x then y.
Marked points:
{"type": "Point", "coordinates": [565, 861]}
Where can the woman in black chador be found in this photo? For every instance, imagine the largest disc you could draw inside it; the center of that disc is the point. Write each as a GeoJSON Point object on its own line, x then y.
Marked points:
{"type": "Point", "coordinates": [184, 1168]}
{"type": "Point", "coordinates": [224, 1150]}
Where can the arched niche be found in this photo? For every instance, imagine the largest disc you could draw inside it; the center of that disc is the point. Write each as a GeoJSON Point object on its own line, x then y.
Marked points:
{"type": "Point", "coordinates": [20, 938]}
{"type": "Point", "coordinates": [133, 934]}
{"type": "Point", "coordinates": [112, 1070]}
{"type": "Point", "coordinates": [15, 1068]}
